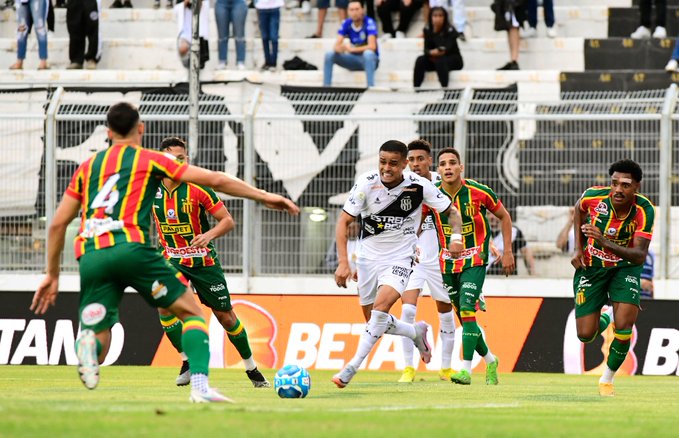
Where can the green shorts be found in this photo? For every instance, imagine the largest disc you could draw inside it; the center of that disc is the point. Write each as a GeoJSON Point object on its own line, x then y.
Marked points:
{"type": "Point", "coordinates": [593, 286]}
{"type": "Point", "coordinates": [209, 283]}
{"type": "Point", "coordinates": [105, 273]}
{"type": "Point", "coordinates": [464, 288]}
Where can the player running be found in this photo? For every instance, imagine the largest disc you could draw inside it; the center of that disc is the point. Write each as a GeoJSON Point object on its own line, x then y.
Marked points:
{"type": "Point", "coordinates": [114, 191]}
{"type": "Point", "coordinates": [465, 273]}
{"type": "Point", "coordinates": [613, 229]}
{"type": "Point", "coordinates": [390, 204]}
{"type": "Point", "coordinates": [180, 212]}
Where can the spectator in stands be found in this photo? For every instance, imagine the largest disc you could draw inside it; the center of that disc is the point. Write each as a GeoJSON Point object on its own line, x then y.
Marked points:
{"type": "Point", "coordinates": [565, 241]}
{"type": "Point", "coordinates": [673, 64]}
{"type": "Point", "coordinates": [647, 276]}
{"type": "Point", "coordinates": [356, 45]}
{"type": "Point", "coordinates": [547, 13]}
{"type": "Point", "coordinates": [509, 16]}
{"type": "Point", "coordinates": [323, 6]}
{"type": "Point", "coordinates": [82, 21]}
{"type": "Point", "coordinates": [269, 17]}
{"type": "Point", "coordinates": [456, 7]}
{"type": "Point", "coordinates": [440, 49]}
{"type": "Point", "coordinates": [168, 5]}
{"type": "Point", "coordinates": [230, 16]}
{"type": "Point", "coordinates": [31, 13]}
{"type": "Point", "coordinates": [406, 11]}
{"type": "Point", "coordinates": [519, 247]}
{"type": "Point", "coordinates": [331, 260]}
{"type": "Point", "coordinates": [121, 4]}
{"type": "Point", "coordinates": [644, 29]}
{"type": "Point", "coordinates": [183, 16]}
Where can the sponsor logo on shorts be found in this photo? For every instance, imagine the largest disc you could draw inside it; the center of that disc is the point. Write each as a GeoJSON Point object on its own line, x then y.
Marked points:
{"type": "Point", "coordinates": [602, 255]}
{"type": "Point", "coordinates": [93, 314]}
{"type": "Point", "coordinates": [631, 279]}
{"type": "Point", "coordinates": [186, 252]}
{"type": "Point", "coordinates": [217, 287]}
{"type": "Point", "coordinates": [584, 282]}
{"type": "Point", "coordinates": [469, 285]}
{"type": "Point", "coordinates": [158, 290]}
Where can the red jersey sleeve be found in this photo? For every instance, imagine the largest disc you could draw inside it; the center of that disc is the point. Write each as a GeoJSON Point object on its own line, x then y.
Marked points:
{"type": "Point", "coordinates": [76, 186]}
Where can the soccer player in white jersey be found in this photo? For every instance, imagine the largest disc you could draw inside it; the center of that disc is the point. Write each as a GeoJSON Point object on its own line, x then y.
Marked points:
{"type": "Point", "coordinates": [390, 204]}
{"type": "Point", "coordinates": [427, 270]}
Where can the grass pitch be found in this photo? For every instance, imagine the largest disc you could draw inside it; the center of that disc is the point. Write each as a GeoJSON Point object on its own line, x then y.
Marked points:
{"type": "Point", "coordinates": [143, 401]}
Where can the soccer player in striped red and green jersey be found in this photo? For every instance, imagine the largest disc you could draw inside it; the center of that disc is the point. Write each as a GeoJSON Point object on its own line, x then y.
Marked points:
{"type": "Point", "coordinates": [114, 191]}
{"type": "Point", "coordinates": [465, 274]}
{"type": "Point", "coordinates": [180, 211]}
{"type": "Point", "coordinates": [613, 229]}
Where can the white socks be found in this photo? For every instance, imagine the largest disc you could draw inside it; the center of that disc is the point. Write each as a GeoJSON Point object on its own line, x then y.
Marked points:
{"type": "Point", "coordinates": [467, 366]}
{"type": "Point", "coordinates": [249, 363]}
{"type": "Point", "coordinates": [447, 338]}
{"type": "Point", "coordinates": [489, 357]}
{"type": "Point", "coordinates": [408, 316]}
{"type": "Point", "coordinates": [607, 376]}
{"type": "Point", "coordinates": [199, 382]}
{"type": "Point", "coordinates": [397, 327]}
{"type": "Point", "coordinates": [374, 330]}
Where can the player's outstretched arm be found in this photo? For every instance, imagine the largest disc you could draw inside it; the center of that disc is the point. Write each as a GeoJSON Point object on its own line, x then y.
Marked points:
{"type": "Point", "coordinates": [231, 185]}
{"type": "Point", "coordinates": [47, 292]}
{"type": "Point", "coordinates": [343, 271]}
{"type": "Point", "coordinates": [224, 225]}
{"type": "Point", "coordinates": [578, 260]}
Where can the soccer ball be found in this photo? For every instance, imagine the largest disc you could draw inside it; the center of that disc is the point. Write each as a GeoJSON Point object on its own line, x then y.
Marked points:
{"type": "Point", "coordinates": [292, 381]}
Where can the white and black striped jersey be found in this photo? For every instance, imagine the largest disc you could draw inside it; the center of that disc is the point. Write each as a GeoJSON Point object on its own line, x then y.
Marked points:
{"type": "Point", "coordinates": [390, 217]}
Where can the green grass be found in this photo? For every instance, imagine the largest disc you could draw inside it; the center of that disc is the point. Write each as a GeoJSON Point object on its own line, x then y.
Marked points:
{"type": "Point", "coordinates": [143, 401]}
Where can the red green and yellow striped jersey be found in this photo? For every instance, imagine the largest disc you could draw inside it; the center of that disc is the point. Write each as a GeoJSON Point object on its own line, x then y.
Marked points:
{"type": "Point", "coordinates": [595, 202]}
{"type": "Point", "coordinates": [115, 188]}
{"type": "Point", "coordinates": [472, 200]}
{"type": "Point", "coordinates": [180, 215]}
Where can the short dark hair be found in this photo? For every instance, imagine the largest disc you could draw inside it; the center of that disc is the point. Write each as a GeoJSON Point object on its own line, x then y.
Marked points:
{"type": "Point", "coordinates": [122, 118]}
{"type": "Point", "coordinates": [627, 166]}
{"type": "Point", "coordinates": [420, 145]}
{"type": "Point", "coordinates": [169, 142]}
{"type": "Point", "coordinates": [355, 1]}
{"type": "Point", "coordinates": [395, 146]}
{"type": "Point", "coordinates": [448, 151]}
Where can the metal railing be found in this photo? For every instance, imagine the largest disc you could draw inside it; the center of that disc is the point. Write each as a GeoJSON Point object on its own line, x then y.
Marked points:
{"type": "Point", "coordinates": [311, 145]}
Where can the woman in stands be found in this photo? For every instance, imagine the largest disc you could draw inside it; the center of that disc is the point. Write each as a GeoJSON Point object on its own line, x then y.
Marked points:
{"type": "Point", "coordinates": [31, 13]}
{"type": "Point", "coordinates": [441, 53]}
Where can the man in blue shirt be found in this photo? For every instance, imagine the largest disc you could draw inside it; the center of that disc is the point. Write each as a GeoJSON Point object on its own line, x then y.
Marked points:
{"type": "Point", "coordinates": [356, 45]}
{"type": "Point", "coordinates": [647, 276]}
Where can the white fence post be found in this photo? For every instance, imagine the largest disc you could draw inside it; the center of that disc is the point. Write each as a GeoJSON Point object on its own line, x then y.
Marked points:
{"type": "Point", "coordinates": [665, 186]}
{"type": "Point", "coordinates": [249, 161]}
{"type": "Point", "coordinates": [461, 122]}
{"type": "Point", "coordinates": [51, 161]}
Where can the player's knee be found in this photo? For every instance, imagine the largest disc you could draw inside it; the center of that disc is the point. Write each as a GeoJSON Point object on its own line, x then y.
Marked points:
{"type": "Point", "coordinates": [227, 318]}
{"type": "Point", "coordinates": [587, 336]}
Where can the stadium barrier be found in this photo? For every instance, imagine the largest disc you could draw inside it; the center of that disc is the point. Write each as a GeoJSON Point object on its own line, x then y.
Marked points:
{"type": "Point", "coordinates": [528, 334]}
{"type": "Point", "coordinates": [311, 143]}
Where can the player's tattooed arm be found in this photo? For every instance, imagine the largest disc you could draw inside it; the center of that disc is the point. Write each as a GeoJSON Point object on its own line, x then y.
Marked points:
{"type": "Point", "coordinates": [456, 243]}
{"type": "Point", "coordinates": [578, 260]}
{"type": "Point", "coordinates": [635, 254]}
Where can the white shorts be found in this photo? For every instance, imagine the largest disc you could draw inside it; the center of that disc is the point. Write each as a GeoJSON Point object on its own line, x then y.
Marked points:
{"type": "Point", "coordinates": [373, 274]}
{"type": "Point", "coordinates": [430, 274]}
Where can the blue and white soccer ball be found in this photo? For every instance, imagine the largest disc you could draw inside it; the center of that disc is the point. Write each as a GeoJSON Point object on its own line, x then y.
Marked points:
{"type": "Point", "coordinates": [292, 381]}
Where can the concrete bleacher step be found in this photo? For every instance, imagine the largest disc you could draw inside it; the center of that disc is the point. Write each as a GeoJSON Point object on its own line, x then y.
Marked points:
{"type": "Point", "coordinates": [623, 21]}
{"type": "Point", "coordinates": [160, 53]}
{"type": "Point", "coordinates": [621, 80]}
{"type": "Point", "coordinates": [572, 21]}
{"type": "Point", "coordinates": [627, 54]}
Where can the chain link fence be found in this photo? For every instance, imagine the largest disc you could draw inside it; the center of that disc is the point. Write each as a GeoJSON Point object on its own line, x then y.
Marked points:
{"type": "Point", "coordinates": [311, 145]}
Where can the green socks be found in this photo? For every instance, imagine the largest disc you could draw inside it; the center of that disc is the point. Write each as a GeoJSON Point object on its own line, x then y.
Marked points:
{"type": "Point", "coordinates": [239, 338]}
{"type": "Point", "coordinates": [470, 334]}
{"type": "Point", "coordinates": [619, 348]}
{"type": "Point", "coordinates": [196, 344]}
{"type": "Point", "coordinates": [173, 329]}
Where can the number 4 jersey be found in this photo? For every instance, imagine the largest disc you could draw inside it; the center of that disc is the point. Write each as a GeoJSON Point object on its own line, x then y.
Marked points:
{"type": "Point", "coordinates": [116, 189]}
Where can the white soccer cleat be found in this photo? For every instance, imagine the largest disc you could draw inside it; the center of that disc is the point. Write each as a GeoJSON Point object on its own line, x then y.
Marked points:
{"type": "Point", "coordinates": [184, 376]}
{"type": "Point", "coordinates": [641, 33]}
{"type": "Point", "coordinates": [209, 396]}
{"type": "Point", "coordinates": [88, 363]}
{"type": "Point", "coordinates": [420, 340]}
{"type": "Point", "coordinates": [343, 378]}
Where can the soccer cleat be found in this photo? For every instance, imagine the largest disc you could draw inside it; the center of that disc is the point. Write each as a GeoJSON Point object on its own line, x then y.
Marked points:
{"type": "Point", "coordinates": [88, 363]}
{"type": "Point", "coordinates": [408, 375]}
{"type": "Point", "coordinates": [606, 389]}
{"type": "Point", "coordinates": [258, 380]}
{"type": "Point", "coordinates": [420, 340]}
{"type": "Point", "coordinates": [491, 372]}
{"type": "Point", "coordinates": [445, 373]}
{"type": "Point", "coordinates": [209, 396]}
{"type": "Point", "coordinates": [462, 377]}
{"type": "Point", "coordinates": [343, 378]}
{"type": "Point", "coordinates": [184, 377]}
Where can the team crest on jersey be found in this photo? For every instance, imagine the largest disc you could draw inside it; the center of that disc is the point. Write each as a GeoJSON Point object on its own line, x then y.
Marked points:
{"type": "Point", "coordinates": [602, 208]}
{"type": "Point", "coordinates": [630, 228]}
{"type": "Point", "coordinates": [469, 209]}
{"type": "Point", "coordinates": [171, 214]}
{"type": "Point", "coordinates": [159, 193]}
{"type": "Point", "coordinates": [406, 204]}
{"type": "Point", "coordinates": [611, 231]}
{"type": "Point", "coordinates": [187, 205]}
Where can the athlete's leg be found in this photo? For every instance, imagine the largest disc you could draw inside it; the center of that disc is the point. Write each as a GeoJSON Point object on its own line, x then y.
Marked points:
{"type": "Point", "coordinates": [447, 334]}
{"type": "Point", "coordinates": [625, 316]}
{"type": "Point", "coordinates": [172, 327]}
{"type": "Point", "coordinates": [408, 312]}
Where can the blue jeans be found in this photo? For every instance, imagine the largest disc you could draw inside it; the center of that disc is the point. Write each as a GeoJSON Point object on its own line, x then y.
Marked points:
{"type": "Point", "coordinates": [353, 62]}
{"type": "Point", "coordinates": [548, 10]}
{"type": "Point", "coordinates": [269, 22]}
{"type": "Point", "coordinates": [33, 13]}
{"type": "Point", "coordinates": [231, 13]}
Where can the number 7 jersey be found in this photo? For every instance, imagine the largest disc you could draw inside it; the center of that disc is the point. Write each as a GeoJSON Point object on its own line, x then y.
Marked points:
{"type": "Point", "coordinates": [116, 189]}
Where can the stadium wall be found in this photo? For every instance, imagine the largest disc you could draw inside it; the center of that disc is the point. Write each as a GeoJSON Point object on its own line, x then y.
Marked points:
{"type": "Point", "coordinates": [535, 334]}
